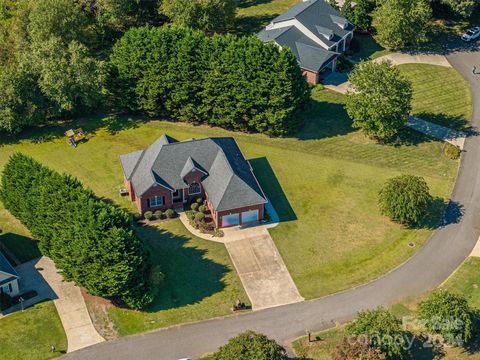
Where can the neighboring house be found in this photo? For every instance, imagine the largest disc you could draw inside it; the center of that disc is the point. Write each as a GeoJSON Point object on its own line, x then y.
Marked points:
{"type": "Point", "coordinates": [315, 32]}
{"type": "Point", "coordinates": [8, 277]}
{"type": "Point", "coordinates": [169, 174]}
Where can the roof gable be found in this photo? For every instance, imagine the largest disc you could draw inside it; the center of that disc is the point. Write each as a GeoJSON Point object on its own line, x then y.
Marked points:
{"type": "Point", "coordinates": [229, 180]}
{"type": "Point", "coordinates": [6, 267]}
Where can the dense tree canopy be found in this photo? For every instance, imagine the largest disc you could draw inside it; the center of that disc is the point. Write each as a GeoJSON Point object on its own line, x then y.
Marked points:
{"type": "Point", "coordinates": [401, 22]}
{"type": "Point", "coordinates": [90, 241]}
{"type": "Point", "coordinates": [379, 101]}
{"type": "Point", "coordinates": [464, 8]}
{"type": "Point", "coordinates": [405, 199]}
{"type": "Point", "coordinates": [233, 82]}
{"type": "Point", "coordinates": [252, 346]}
{"type": "Point", "coordinates": [383, 330]}
{"type": "Point", "coordinates": [208, 15]}
{"type": "Point", "coordinates": [449, 315]}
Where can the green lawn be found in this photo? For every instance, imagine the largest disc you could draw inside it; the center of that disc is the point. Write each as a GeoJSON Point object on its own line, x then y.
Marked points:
{"type": "Point", "coordinates": [441, 95]}
{"type": "Point", "coordinates": [29, 334]}
{"type": "Point", "coordinates": [465, 281]}
{"type": "Point", "coordinates": [200, 281]}
{"type": "Point", "coordinates": [324, 183]}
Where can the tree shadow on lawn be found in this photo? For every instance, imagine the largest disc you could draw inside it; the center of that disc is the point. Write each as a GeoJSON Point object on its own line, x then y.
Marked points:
{"type": "Point", "coordinates": [22, 248]}
{"type": "Point", "coordinates": [245, 25]}
{"type": "Point", "coordinates": [113, 124]}
{"type": "Point", "coordinates": [325, 119]}
{"type": "Point", "coordinates": [247, 3]}
{"type": "Point", "coordinates": [269, 182]}
{"type": "Point", "coordinates": [189, 276]}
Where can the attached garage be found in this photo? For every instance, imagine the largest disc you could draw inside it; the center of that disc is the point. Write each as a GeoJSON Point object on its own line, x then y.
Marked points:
{"type": "Point", "coordinates": [230, 220]}
{"type": "Point", "coordinates": [249, 216]}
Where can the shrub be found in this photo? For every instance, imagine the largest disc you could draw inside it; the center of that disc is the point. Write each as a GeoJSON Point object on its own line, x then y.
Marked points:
{"type": "Point", "coordinates": [202, 208]}
{"type": "Point", "coordinates": [158, 214]}
{"type": "Point", "coordinates": [170, 213]}
{"type": "Point", "coordinates": [199, 200]}
{"type": "Point", "coordinates": [451, 151]}
{"type": "Point", "coordinates": [449, 315]}
{"type": "Point", "coordinates": [355, 349]}
{"type": "Point", "coordinates": [137, 217]}
{"type": "Point", "coordinates": [5, 301]}
{"type": "Point", "coordinates": [380, 324]}
{"type": "Point", "coordinates": [194, 206]}
{"type": "Point", "coordinates": [116, 264]}
{"type": "Point", "coordinates": [148, 215]}
{"type": "Point", "coordinates": [199, 216]}
{"type": "Point", "coordinates": [218, 233]}
{"type": "Point", "coordinates": [190, 215]}
{"type": "Point", "coordinates": [343, 65]}
{"type": "Point", "coordinates": [252, 346]}
{"type": "Point", "coordinates": [405, 199]}
{"type": "Point", "coordinates": [259, 88]}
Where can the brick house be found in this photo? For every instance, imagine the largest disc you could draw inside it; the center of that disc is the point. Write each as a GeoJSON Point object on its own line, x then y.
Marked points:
{"type": "Point", "coordinates": [315, 32]}
{"type": "Point", "coordinates": [8, 277]}
{"type": "Point", "coordinates": [169, 174]}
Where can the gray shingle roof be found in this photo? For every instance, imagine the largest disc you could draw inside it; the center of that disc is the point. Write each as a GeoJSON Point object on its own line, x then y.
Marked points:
{"type": "Point", "coordinates": [229, 180]}
{"type": "Point", "coordinates": [6, 267]}
{"type": "Point", "coordinates": [322, 20]}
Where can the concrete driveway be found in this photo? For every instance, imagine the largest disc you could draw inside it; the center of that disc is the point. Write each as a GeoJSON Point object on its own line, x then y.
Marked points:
{"type": "Point", "coordinates": [262, 270]}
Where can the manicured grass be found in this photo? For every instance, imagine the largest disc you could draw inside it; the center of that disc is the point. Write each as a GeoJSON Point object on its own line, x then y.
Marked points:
{"type": "Point", "coordinates": [465, 281]}
{"type": "Point", "coordinates": [324, 183]}
{"type": "Point", "coordinates": [200, 281]}
{"type": "Point", "coordinates": [441, 95]}
{"type": "Point", "coordinates": [252, 15]}
{"type": "Point", "coordinates": [367, 48]}
{"type": "Point", "coordinates": [29, 334]}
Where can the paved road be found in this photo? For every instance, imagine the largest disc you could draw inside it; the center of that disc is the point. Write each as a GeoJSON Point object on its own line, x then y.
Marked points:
{"type": "Point", "coordinates": [444, 252]}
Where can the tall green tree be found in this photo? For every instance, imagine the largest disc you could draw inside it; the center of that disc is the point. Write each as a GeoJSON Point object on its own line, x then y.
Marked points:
{"type": "Point", "coordinates": [400, 23]}
{"type": "Point", "coordinates": [71, 79]}
{"type": "Point", "coordinates": [90, 241]}
{"type": "Point", "coordinates": [464, 8]}
{"type": "Point", "coordinates": [63, 19]}
{"type": "Point", "coordinates": [252, 346]}
{"type": "Point", "coordinates": [208, 15]}
{"type": "Point", "coordinates": [379, 101]}
{"type": "Point", "coordinates": [347, 11]}
{"type": "Point", "coordinates": [361, 18]}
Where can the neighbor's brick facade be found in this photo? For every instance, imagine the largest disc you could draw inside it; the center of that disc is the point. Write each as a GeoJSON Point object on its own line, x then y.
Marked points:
{"type": "Point", "coordinates": [311, 77]}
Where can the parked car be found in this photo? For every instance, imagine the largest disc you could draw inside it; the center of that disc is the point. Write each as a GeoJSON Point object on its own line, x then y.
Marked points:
{"type": "Point", "coordinates": [471, 34]}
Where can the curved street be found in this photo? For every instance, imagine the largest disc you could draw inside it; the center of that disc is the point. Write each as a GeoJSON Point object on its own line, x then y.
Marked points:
{"type": "Point", "coordinates": [448, 247]}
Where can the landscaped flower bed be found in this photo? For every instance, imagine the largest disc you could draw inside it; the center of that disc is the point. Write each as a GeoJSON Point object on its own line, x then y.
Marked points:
{"type": "Point", "coordinates": [201, 219]}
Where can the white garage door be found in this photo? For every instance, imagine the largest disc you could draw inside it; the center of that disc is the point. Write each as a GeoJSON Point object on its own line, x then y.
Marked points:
{"type": "Point", "coordinates": [249, 216]}
{"type": "Point", "coordinates": [229, 220]}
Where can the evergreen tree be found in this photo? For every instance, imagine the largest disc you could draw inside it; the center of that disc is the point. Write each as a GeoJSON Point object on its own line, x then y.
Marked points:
{"type": "Point", "coordinates": [90, 241]}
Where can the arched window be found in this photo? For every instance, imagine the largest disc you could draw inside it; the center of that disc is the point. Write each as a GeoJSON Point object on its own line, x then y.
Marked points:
{"type": "Point", "coordinates": [194, 188]}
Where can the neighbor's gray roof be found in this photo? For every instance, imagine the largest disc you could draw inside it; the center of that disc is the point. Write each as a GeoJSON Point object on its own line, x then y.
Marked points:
{"type": "Point", "coordinates": [318, 13]}
{"type": "Point", "coordinates": [6, 267]}
{"type": "Point", "coordinates": [309, 54]}
{"type": "Point", "coordinates": [229, 182]}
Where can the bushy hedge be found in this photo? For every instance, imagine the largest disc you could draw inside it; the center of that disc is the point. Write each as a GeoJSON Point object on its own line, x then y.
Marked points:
{"type": "Point", "coordinates": [90, 241]}
{"type": "Point", "coordinates": [233, 82]}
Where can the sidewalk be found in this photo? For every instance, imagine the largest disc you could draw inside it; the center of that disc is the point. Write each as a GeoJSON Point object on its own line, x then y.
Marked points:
{"type": "Point", "coordinates": [456, 138]}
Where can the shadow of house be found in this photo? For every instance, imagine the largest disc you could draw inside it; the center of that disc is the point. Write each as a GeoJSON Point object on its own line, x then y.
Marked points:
{"type": "Point", "coordinates": [272, 188]}
{"type": "Point", "coordinates": [190, 276]}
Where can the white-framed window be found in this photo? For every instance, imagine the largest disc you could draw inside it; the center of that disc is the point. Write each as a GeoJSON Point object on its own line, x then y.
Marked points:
{"type": "Point", "coordinates": [155, 201]}
{"type": "Point", "coordinates": [194, 188]}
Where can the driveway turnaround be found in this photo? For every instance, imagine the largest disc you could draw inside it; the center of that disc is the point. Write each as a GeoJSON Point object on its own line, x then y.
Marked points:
{"type": "Point", "coordinates": [408, 58]}
{"type": "Point", "coordinates": [70, 307]}
{"type": "Point", "coordinates": [262, 270]}
{"type": "Point", "coordinates": [448, 247]}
